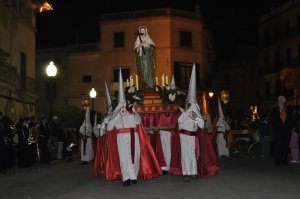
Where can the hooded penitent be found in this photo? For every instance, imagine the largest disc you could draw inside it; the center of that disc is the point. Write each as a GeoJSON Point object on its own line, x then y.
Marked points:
{"type": "Point", "coordinates": [173, 86]}
{"type": "Point", "coordinates": [191, 100]}
{"type": "Point", "coordinates": [222, 125]}
{"type": "Point", "coordinates": [108, 111]}
{"type": "Point", "coordinates": [121, 106]}
{"type": "Point", "coordinates": [86, 127]}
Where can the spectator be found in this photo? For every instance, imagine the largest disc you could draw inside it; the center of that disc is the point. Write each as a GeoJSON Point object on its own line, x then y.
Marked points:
{"type": "Point", "coordinates": [282, 122]}
{"type": "Point", "coordinates": [62, 133]}
{"type": "Point", "coordinates": [264, 133]}
{"type": "Point", "coordinates": [54, 137]}
{"type": "Point", "coordinates": [295, 136]}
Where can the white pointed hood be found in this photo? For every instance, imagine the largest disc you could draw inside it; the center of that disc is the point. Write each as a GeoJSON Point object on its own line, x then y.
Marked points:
{"type": "Point", "coordinates": [192, 94]}
{"type": "Point", "coordinates": [173, 82]}
{"type": "Point", "coordinates": [86, 127]}
{"type": "Point", "coordinates": [95, 129]}
{"type": "Point", "coordinates": [222, 125]}
{"type": "Point", "coordinates": [209, 125]}
{"type": "Point", "coordinates": [121, 96]}
{"type": "Point", "coordinates": [108, 102]}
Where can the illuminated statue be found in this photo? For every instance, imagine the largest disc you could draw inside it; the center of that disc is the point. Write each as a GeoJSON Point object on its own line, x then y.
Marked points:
{"type": "Point", "coordinates": [145, 57]}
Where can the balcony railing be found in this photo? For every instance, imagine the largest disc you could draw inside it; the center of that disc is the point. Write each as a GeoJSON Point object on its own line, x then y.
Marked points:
{"type": "Point", "coordinates": [9, 75]}
{"type": "Point", "coordinates": [84, 47]}
{"type": "Point", "coordinates": [150, 13]}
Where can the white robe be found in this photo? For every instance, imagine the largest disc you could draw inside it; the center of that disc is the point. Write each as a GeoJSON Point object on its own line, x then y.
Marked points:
{"type": "Point", "coordinates": [187, 143]}
{"type": "Point", "coordinates": [129, 170]}
{"type": "Point", "coordinates": [221, 142]}
{"type": "Point", "coordinates": [165, 138]}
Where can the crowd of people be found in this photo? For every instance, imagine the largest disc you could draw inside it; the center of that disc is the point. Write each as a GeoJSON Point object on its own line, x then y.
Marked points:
{"type": "Point", "coordinates": [276, 133]}
{"type": "Point", "coordinates": [31, 141]}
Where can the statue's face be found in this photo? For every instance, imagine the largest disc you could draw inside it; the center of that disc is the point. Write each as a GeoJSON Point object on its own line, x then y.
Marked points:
{"type": "Point", "coordinates": [143, 30]}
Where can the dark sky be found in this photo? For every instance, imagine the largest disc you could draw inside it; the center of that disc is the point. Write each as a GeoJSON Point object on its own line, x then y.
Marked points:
{"type": "Point", "coordinates": [232, 22]}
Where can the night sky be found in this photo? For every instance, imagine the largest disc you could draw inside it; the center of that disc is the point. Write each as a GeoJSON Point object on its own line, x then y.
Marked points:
{"type": "Point", "coordinates": [232, 22]}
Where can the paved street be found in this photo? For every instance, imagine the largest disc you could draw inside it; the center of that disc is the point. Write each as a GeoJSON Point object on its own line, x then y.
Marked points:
{"type": "Point", "coordinates": [240, 177]}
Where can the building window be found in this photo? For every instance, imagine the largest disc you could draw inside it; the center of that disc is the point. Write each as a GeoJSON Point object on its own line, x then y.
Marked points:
{"type": "Point", "coordinates": [186, 39]}
{"type": "Point", "coordinates": [119, 40]}
{"type": "Point", "coordinates": [277, 61]}
{"type": "Point", "coordinates": [278, 87]}
{"type": "Point", "coordinates": [266, 38]}
{"type": "Point", "coordinates": [288, 57]}
{"type": "Point", "coordinates": [298, 23]}
{"type": "Point", "coordinates": [267, 64]}
{"type": "Point", "coordinates": [23, 71]}
{"type": "Point", "coordinates": [268, 90]}
{"type": "Point", "coordinates": [125, 74]}
{"type": "Point", "coordinates": [287, 29]}
{"type": "Point", "coordinates": [86, 78]}
{"type": "Point", "coordinates": [276, 33]}
{"type": "Point", "coordinates": [298, 53]}
{"type": "Point", "coordinates": [182, 73]}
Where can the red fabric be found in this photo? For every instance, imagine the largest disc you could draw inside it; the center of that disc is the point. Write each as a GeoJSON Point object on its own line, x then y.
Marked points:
{"type": "Point", "coordinates": [283, 115]}
{"type": "Point", "coordinates": [213, 138]}
{"type": "Point", "coordinates": [207, 162]}
{"type": "Point", "coordinates": [149, 167]}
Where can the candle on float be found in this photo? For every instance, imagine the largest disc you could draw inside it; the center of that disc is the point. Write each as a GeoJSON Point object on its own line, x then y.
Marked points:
{"type": "Point", "coordinates": [167, 81]}
{"type": "Point", "coordinates": [130, 80]}
{"type": "Point", "coordinates": [163, 80]}
{"type": "Point", "coordinates": [137, 82]}
{"type": "Point", "coordinates": [156, 82]}
{"type": "Point", "coordinates": [127, 82]}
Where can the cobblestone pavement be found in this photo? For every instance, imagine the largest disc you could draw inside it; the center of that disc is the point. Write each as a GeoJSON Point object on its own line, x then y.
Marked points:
{"type": "Point", "coordinates": [240, 177]}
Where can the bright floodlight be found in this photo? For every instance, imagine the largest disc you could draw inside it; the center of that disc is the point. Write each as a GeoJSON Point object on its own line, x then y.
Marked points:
{"type": "Point", "coordinates": [51, 70]}
{"type": "Point", "coordinates": [93, 93]}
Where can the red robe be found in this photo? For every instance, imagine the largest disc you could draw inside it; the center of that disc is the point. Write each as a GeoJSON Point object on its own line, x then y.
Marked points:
{"type": "Point", "coordinates": [149, 167]}
{"type": "Point", "coordinates": [207, 162]}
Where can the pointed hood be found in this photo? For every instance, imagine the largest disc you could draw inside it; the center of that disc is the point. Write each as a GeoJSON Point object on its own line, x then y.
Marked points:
{"type": "Point", "coordinates": [173, 82]}
{"type": "Point", "coordinates": [192, 94]}
{"type": "Point", "coordinates": [95, 129]}
{"type": "Point", "coordinates": [209, 124]}
{"type": "Point", "coordinates": [121, 96]}
{"type": "Point", "coordinates": [191, 97]}
{"type": "Point", "coordinates": [86, 126]}
{"type": "Point", "coordinates": [108, 102]}
{"type": "Point", "coordinates": [221, 124]}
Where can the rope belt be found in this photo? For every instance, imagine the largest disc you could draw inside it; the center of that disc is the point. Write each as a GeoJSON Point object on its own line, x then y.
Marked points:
{"type": "Point", "coordinates": [190, 133]}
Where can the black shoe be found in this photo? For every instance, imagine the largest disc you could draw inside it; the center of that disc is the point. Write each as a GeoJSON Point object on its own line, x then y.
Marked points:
{"type": "Point", "coordinates": [277, 164]}
{"type": "Point", "coordinates": [165, 172]}
{"type": "Point", "coordinates": [186, 178]}
{"type": "Point", "coordinates": [134, 181]}
{"type": "Point", "coordinates": [126, 183]}
{"type": "Point", "coordinates": [84, 162]}
{"type": "Point", "coordinates": [194, 177]}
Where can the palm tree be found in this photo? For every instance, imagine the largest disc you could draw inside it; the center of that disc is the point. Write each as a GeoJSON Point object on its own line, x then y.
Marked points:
{"type": "Point", "coordinates": [291, 79]}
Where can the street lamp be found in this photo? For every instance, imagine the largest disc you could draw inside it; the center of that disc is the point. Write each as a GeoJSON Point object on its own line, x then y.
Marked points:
{"type": "Point", "coordinates": [93, 94]}
{"type": "Point", "coordinates": [51, 71]}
